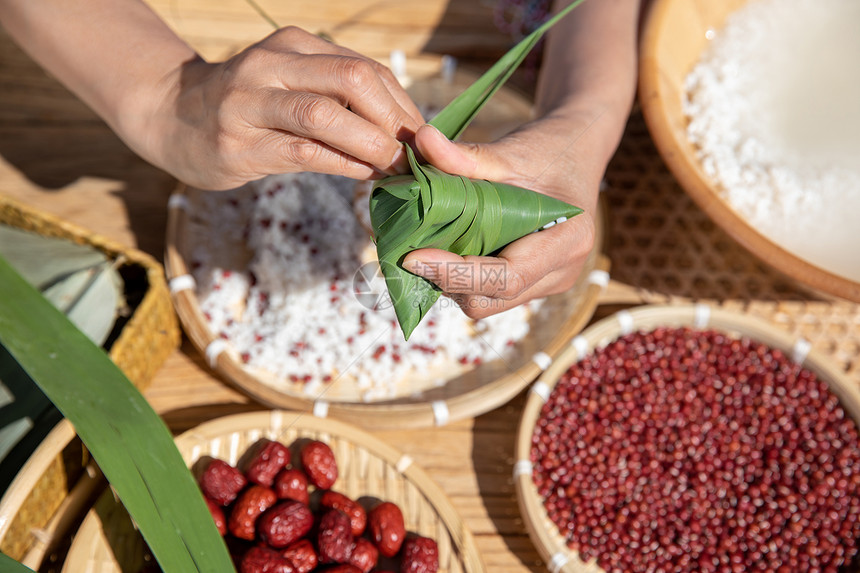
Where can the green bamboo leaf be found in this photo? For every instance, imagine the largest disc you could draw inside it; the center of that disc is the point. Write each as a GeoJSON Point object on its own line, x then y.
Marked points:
{"type": "Point", "coordinates": [77, 279]}
{"type": "Point", "coordinates": [131, 444]}
{"type": "Point", "coordinates": [45, 260]}
{"type": "Point", "coordinates": [458, 114]}
{"type": "Point", "coordinates": [433, 209]}
{"type": "Point", "coordinates": [90, 298]}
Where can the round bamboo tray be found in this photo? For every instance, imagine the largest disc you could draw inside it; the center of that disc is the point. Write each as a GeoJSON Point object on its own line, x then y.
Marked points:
{"type": "Point", "coordinates": [108, 542]}
{"type": "Point", "coordinates": [56, 479]}
{"type": "Point", "coordinates": [419, 402]}
{"type": "Point", "coordinates": [673, 38]}
{"type": "Point", "coordinates": [543, 532]}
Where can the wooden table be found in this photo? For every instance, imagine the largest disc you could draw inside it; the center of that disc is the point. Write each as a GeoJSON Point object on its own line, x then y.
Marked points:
{"type": "Point", "coordinates": [55, 155]}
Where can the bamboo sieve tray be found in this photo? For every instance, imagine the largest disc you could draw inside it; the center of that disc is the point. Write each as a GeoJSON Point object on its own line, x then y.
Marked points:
{"type": "Point", "coordinates": [108, 542]}
{"type": "Point", "coordinates": [541, 529]}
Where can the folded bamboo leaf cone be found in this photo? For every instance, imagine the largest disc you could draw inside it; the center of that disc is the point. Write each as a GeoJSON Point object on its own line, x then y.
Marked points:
{"type": "Point", "coordinates": [433, 209]}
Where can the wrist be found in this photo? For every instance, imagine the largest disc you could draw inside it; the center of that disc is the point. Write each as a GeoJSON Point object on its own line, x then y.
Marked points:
{"type": "Point", "coordinates": [148, 117]}
{"type": "Point", "coordinates": [592, 126]}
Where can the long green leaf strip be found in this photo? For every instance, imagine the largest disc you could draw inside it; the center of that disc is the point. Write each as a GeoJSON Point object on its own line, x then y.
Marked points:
{"type": "Point", "coordinates": [131, 444]}
{"type": "Point", "coordinates": [433, 209]}
{"type": "Point", "coordinates": [458, 114]}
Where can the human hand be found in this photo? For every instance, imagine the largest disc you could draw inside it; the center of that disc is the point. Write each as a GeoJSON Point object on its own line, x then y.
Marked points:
{"type": "Point", "coordinates": [584, 95]}
{"type": "Point", "coordinates": [563, 157]}
{"type": "Point", "coordinates": [292, 102]}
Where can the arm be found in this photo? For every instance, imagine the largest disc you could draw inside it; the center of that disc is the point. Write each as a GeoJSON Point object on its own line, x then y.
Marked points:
{"type": "Point", "coordinates": [292, 102]}
{"type": "Point", "coordinates": [585, 92]}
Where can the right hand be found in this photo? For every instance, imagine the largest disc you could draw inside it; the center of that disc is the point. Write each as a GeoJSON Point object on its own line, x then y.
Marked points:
{"type": "Point", "coordinates": [292, 102]}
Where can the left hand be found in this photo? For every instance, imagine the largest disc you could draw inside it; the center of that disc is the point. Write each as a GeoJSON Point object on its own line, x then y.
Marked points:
{"type": "Point", "coordinates": [562, 157]}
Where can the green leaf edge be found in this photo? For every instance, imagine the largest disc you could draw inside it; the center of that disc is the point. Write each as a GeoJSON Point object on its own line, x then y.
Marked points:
{"type": "Point", "coordinates": [9, 565]}
{"type": "Point", "coordinates": [130, 442]}
{"type": "Point", "coordinates": [459, 113]}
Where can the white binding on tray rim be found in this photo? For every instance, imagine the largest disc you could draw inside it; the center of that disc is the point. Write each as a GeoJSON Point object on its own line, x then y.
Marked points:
{"type": "Point", "coordinates": [181, 283]}
{"type": "Point", "coordinates": [214, 350]}
{"type": "Point", "coordinates": [800, 350]}
{"type": "Point", "coordinates": [321, 409]}
{"type": "Point", "coordinates": [541, 389]}
{"type": "Point", "coordinates": [522, 467]}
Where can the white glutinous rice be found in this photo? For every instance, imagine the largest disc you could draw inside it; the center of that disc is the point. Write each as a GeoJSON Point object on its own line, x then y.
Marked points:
{"type": "Point", "coordinates": [280, 274]}
{"type": "Point", "coordinates": [774, 112]}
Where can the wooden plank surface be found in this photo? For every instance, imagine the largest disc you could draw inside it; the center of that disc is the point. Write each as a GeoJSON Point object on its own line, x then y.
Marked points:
{"type": "Point", "coordinates": [371, 27]}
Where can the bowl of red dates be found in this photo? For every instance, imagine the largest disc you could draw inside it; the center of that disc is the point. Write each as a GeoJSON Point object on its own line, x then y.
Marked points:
{"type": "Point", "coordinates": [690, 438]}
{"type": "Point", "coordinates": [294, 493]}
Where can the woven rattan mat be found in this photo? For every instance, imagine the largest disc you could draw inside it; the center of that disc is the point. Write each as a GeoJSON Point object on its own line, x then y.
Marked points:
{"type": "Point", "coordinates": [664, 248]}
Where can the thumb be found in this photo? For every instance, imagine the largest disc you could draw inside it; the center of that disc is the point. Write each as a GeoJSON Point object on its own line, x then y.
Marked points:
{"type": "Point", "coordinates": [466, 159]}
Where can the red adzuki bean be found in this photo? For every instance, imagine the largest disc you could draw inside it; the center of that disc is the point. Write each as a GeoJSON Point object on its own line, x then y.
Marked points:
{"type": "Point", "coordinates": [689, 450]}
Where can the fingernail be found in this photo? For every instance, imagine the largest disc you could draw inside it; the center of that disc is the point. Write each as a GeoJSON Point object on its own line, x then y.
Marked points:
{"type": "Point", "coordinates": [399, 163]}
{"type": "Point", "coordinates": [438, 133]}
{"type": "Point", "coordinates": [416, 267]}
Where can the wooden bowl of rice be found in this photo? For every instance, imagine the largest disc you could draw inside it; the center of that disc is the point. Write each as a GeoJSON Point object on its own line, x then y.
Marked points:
{"type": "Point", "coordinates": [743, 181]}
{"type": "Point", "coordinates": [640, 376]}
{"type": "Point", "coordinates": [269, 284]}
{"type": "Point", "coordinates": [107, 540]}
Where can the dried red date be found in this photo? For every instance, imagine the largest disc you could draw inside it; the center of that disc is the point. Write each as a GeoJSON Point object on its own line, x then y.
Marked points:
{"type": "Point", "coordinates": [420, 555]}
{"type": "Point", "coordinates": [342, 568]}
{"type": "Point", "coordinates": [334, 539]}
{"type": "Point", "coordinates": [217, 515]}
{"type": "Point", "coordinates": [387, 528]}
{"type": "Point", "coordinates": [364, 555]}
{"type": "Point", "coordinates": [292, 483]}
{"type": "Point", "coordinates": [353, 510]}
{"type": "Point", "coordinates": [268, 457]}
{"type": "Point", "coordinates": [302, 555]}
{"type": "Point", "coordinates": [284, 523]}
{"type": "Point", "coordinates": [221, 482]}
{"type": "Point", "coordinates": [277, 518]}
{"type": "Point", "coordinates": [264, 560]}
{"type": "Point", "coordinates": [319, 464]}
{"type": "Point", "coordinates": [248, 508]}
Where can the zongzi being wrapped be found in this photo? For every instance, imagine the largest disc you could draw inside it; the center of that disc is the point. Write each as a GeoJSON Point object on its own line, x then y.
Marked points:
{"type": "Point", "coordinates": [433, 209]}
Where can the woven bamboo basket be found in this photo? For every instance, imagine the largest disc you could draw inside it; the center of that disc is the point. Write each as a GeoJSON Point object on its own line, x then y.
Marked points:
{"type": "Point", "coordinates": [467, 393]}
{"type": "Point", "coordinates": [57, 477]}
{"type": "Point", "coordinates": [543, 532]}
{"type": "Point", "coordinates": [674, 36]}
{"type": "Point", "coordinates": [108, 542]}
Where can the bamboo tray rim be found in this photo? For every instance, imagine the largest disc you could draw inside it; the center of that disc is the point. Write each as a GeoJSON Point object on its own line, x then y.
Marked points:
{"type": "Point", "coordinates": [275, 424]}
{"type": "Point", "coordinates": [542, 531]}
{"type": "Point", "coordinates": [660, 110]}
{"type": "Point", "coordinates": [36, 465]}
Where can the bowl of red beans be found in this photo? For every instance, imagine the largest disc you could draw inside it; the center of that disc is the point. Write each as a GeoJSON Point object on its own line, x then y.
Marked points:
{"type": "Point", "coordinates": [690, 438]}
